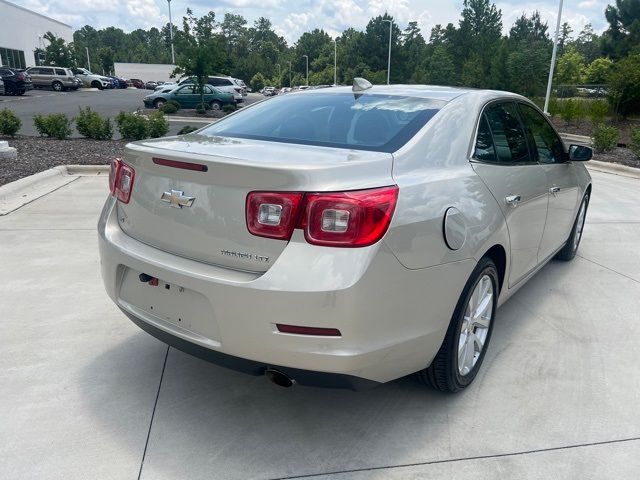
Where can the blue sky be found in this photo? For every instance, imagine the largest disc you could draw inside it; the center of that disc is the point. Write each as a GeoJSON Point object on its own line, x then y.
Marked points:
{"type": "Point", "coordinates": [292, 17]}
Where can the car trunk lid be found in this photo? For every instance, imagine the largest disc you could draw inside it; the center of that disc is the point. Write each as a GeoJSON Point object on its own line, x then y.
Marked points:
{"type": "Point", "coordinates": [213, 228]}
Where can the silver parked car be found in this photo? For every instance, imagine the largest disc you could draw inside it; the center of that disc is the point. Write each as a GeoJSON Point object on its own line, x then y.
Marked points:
{"type": "Point", "coordinates": [343, 237]}
{"type": "Point", "coordinates": [57, 78]}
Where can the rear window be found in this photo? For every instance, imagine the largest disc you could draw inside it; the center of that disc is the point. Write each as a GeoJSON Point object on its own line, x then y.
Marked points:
{"type": "Point", "coordinates": [381, 123]}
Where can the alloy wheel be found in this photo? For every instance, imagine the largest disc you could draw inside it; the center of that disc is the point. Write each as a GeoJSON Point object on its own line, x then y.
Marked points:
{"type": "Point", "coordinates": [475, 325]}
{"type": "Point", "coordinates": [579, 225]}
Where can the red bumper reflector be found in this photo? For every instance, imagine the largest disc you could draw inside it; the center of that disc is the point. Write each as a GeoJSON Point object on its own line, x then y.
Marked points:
{"type": "Point", "coordinates": [323, 332]}
{"type": "Point", "coordinates": [183, 165]}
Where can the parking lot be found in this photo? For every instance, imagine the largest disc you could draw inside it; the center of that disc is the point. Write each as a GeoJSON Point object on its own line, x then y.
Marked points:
{"type": "Point", "coordinates": [106, 102]}
{"type": "Point", "coordinates": [86, 394]}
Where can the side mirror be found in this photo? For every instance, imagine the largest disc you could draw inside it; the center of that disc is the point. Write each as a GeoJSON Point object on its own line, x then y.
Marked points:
{"type": "Point", "coordinates": [580, 153]}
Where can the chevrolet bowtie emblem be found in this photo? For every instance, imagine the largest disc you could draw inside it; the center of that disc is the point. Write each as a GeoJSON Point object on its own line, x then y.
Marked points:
{"type": "Point", "coordinates": [177, 199]}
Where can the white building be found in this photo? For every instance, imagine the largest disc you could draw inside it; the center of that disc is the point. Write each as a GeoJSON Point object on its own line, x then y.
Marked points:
{"type": "Point", "coordinates": [21, 32]}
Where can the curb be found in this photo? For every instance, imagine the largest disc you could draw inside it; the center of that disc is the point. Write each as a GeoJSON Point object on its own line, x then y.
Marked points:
{"type": "Point", "coordinates": [613, 169]}
{"type": "Point", "coordinates": [25, 190]}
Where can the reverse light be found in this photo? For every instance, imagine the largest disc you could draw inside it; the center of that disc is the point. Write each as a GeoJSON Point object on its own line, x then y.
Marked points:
{"type": "Point", "coordinates": [121, 177]}
{"type": "Point", "coordinates": [337, 219]}
{"type": "Point", "coordinates": [273, 215]}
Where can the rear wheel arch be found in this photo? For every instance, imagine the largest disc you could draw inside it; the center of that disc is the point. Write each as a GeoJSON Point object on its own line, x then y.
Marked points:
{"type": "Point", "coordinates": [498, 254]}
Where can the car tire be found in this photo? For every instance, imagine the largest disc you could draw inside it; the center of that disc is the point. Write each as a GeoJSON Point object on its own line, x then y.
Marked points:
{"type": "Point", "coordinates": [445, 373]}
{"type": "Point", "coordinates": [57, 86]}
{"type": "Point", "coordinates": [159, 103]}
{"type": "Point", "coordinates": [215, 105]}
{"type": "Point", "coordinates": [96, 84]}
{"type": "Point", "coordinates": [570, 248]}
{"type": "Point", "coordinates": [21, 92]}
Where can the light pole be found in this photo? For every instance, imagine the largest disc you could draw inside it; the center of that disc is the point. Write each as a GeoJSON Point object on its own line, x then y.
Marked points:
{"type": "Point", "coordinates": [289, 74]}
{"type": "Point", "coordinates": [173, 53]}
{"type": "Point", "coordinates": [389, 60]}
{"type": "Point", "coordinates": [307, 59]}
{"type": "Point", "coordinates": [279, 75]}
{"type": "Point", "coordinates": [553, 60]}
{"type": "Point", "coordinates": [335, 61]}
{"type": "Point", "coordinates": [88, 62]}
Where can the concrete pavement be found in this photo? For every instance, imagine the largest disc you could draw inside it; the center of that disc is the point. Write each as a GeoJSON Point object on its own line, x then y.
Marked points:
{"type": "Point", "coordinates": [85, 394]}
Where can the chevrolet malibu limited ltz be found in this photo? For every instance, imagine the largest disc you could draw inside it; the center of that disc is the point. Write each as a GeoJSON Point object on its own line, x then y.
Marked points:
{"type": "Point", "coordinates": [345, 236]}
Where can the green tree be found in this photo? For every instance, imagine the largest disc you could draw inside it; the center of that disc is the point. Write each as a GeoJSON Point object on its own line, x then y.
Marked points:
{"type": "Point", "coordinates": [57, 52]}
{"type": "Point", "coordinates": [623, 34]}
{"type": "Point", "coordinates": [199, 54]}
{"type": "Point", "coordinates": [597, 72]}
{"type": "Point", "coordinates": [105, 57]}
{"type": "Point", "coordinates": [624, 85]}
{"type": "Point", "coordinates": [569, 68]}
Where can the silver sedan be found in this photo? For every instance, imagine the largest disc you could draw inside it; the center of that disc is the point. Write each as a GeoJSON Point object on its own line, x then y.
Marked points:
{"type": "Point", "coordinates": [344, 236]}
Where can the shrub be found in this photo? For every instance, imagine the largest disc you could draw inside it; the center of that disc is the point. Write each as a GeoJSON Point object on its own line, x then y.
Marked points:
{"type": "Point", "coordinates": [187, 129]}
{"type": "Point", "coordinates": [168, 108]}
{"type": "Point", "coordinates": [570, 109]}
{"type": "Point", "coordinates": [9, 122]}
{"type": "Point", "coordinates": [91, 125]}
{"type": "Point", "coordinates": [597, 111]}
{"type": "Point", "coordinates": [228, 108]}
{"type": "Point", "coordinates": [157, 125]}
{"type": "Point", "coordinates": [202, 108]}
{"type": "Point", "coordinates": [605, 138]}
{"type": "Point", "coordinates": [131, 126]}
{"type": "Point", "coordinates": [56, 125]}
{"type": "Point", "coordinates": [634, 144]}
{"type": "Point", "coordinates": [174, 103]}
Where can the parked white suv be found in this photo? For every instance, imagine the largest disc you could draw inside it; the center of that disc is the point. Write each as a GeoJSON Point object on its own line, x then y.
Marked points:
{"type": "Point", "coordinates": [227, 84]}
{"type": "Point", "coordinates": [89, 79]}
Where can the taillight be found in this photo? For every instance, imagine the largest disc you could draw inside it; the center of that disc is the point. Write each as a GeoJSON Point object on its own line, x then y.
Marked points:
{"type": "Point", "coordinates": [348, 219]}
{"type": "Point", "coordinates": [20, 76]}
{"type": "Point", "coordinates": [273, 215]}
{"type": "Point", "coordinates": [121, 177]}
{"type": "Point", "coordinates": [338, 219]}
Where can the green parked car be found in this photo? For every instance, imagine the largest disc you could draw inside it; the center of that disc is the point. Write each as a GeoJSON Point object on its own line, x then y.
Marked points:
{"type": "Point", "coordinates": [188, 97]}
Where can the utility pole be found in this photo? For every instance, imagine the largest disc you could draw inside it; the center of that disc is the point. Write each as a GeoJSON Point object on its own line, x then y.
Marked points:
{"type": "Point", "coordinates": [279, 75]}
{"type": "Point", "coordinates": [553, 60]}
{"type": "Point", "coordinates": [389, 60]}
{"type": "Point", "coordinates": [289, 74]}
{"type": "Point", "coordinates": [173, 53]}
{"type": "Point", "coordinates": [307, 58]}
{"type": "Point", "coordinates": [335, 61]}
{"type": "Point", "coordinates": [88, 61]}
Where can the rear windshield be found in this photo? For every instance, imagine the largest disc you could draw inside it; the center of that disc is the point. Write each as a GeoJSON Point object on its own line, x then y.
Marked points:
{"type": "Point", "coordinates": [382, 123]}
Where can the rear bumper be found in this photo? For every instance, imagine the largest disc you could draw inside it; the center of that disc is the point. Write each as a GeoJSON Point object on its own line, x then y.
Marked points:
{"type": "Point", "coordinates": [392, 319]}
{"type": "Point", "coordinates": [250, 367]}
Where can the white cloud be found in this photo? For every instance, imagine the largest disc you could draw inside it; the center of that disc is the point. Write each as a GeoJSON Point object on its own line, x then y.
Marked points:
{"type": "Point", "coordinates": [291, 18]}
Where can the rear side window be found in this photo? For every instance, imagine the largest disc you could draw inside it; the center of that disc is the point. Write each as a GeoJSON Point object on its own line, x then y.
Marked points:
{"type": "Point", "coordinates": [61, 71]}
{"type": "Point", "coordinates": [485, 150]}
{"type": "Point", "coordinates": [509, 139]}
{"type": "Point", "coordinates": [548, 147]}
{"type": "Point", "coordinates": [381, 123]}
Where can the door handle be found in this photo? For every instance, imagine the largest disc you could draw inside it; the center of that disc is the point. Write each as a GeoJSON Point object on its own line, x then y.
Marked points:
{"type": "Point", "coordinates": [512, 200]}
{"type": "Point", "coordinates": [553, 190]}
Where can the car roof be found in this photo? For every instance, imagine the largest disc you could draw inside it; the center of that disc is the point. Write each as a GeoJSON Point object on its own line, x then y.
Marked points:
{"type": "Point", "coordinates": [435, 92]}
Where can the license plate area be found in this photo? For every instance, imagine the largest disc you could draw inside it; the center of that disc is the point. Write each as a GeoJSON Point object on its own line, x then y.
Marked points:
{"type": "Point", "coordinates": [179, 306]}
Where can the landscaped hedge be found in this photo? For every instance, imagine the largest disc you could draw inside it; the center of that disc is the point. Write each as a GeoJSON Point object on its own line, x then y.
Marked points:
{"type": "Point", "coordinates": [55, 125]}
{"type": "Point", "coordinates": [91, 125]}
{"type": "Point", "coordinates": [9, 122]}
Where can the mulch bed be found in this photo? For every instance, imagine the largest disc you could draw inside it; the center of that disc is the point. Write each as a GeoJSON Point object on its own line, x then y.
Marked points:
{"type": "Point", "coordinates": [37, 154]}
